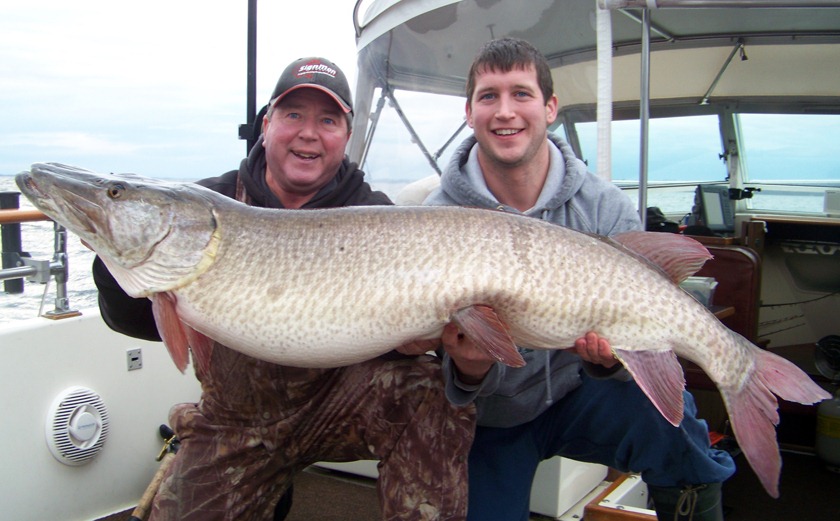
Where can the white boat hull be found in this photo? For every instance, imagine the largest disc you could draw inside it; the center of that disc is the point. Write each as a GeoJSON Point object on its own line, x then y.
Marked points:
{"type": "Point", "coordinates": [40, 359]}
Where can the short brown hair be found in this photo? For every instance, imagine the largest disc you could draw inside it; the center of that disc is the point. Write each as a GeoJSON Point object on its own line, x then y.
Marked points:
{"type": "Point", "coordinates": [503, 55]}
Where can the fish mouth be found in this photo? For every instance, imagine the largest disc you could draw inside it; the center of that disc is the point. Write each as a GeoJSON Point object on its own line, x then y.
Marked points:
{"type": "Point", "coordinates": [43, 179]}
{"type": "Point", "coordinates": [37, 195]}
{"type": "Point", "coordinates": [85, 212]}
{"type": "Point", "coordinates": [26, 183]}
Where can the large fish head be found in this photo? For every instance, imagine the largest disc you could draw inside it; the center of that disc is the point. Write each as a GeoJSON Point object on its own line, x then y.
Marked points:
{"type": "Point", "coordinates": [150, 233]}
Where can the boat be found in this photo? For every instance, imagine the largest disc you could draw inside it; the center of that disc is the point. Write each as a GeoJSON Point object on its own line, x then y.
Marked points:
{"type": "Point", "coordinates": [720, 114]}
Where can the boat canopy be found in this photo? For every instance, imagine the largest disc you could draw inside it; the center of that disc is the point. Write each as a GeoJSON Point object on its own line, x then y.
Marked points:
{"type": "Point", "coordinates": [701, 53]}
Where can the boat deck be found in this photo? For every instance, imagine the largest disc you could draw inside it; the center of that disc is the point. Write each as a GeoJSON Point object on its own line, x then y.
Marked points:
{"type": "Point", "coordinates": [808, 493]}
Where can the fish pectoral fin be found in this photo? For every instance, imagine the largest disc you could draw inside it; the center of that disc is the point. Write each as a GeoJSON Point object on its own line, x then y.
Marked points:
{"type": "Point", "coordinates": [202, 349]}
{"type": "Point", "coordinates": [483, 326]}
{"type": "Point", "coordinates": [170, 328]}
{"type": "Point", "coordinates": [660, 376]}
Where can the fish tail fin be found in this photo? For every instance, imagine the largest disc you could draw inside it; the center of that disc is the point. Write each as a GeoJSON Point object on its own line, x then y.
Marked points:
{"type": "Point", "coordinates": [788, 381]}
{"type": "Point", "coordinates": [753, 414]}
{"type": "Point", "coordinates": [753, 411]}
{"type": "Point", "coordinates": [483, 326]}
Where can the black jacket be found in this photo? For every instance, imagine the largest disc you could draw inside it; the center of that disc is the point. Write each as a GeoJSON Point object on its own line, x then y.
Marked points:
{"type": "Point", "coordinates": [133, 317]}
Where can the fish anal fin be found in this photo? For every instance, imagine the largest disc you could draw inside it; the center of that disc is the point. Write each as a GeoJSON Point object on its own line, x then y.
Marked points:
{"type": "Point", "coordinates": [660, 376]}
{"type": "Point", "coordinates": [170, 328]}
{"type": "Point", "coordinates": [677, 255]}
{"type": "Point", "coordinates": [483, 326]}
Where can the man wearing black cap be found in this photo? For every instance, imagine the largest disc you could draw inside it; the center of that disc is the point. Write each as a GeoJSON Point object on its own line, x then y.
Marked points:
{"type": "Point", "coordinates": [258, 423]}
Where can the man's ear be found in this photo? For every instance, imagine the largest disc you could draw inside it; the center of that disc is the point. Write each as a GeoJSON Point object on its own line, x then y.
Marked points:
{"type": "Point", "coordinates": [551, 109]}
{"type": "Point", "coordinates": [468, 110]}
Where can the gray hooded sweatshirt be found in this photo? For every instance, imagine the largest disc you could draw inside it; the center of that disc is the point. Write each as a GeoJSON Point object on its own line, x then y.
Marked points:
{"type": "Point", "coordinates": [571, 197]}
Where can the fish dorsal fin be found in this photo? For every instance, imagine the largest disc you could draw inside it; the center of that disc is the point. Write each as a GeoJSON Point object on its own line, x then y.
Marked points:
{"type": "Point", "coordinates": [483, 326]}
{"type": "Point", "coordinates": [677, 255]}
{"type": "Point", "coordinates": [660, 376]}
{"type": "Point", "coordinates": [172, 331]}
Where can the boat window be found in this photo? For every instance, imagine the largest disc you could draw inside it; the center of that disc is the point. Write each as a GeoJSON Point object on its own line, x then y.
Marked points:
{"type": "Point", "coordinates": [559, 129]}
{"type": "Point", "coordinates": [792, 158]}
{"type": "Point", "coordinates": [682, 151]}
{"type": "Point", "coordinates": [395, 159]}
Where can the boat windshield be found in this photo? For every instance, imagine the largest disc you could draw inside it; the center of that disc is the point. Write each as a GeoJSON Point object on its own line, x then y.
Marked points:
{"type": "Point", "coordinates": [744, 97]}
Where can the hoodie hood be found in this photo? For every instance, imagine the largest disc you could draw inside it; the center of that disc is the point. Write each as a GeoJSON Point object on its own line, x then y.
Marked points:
{"type": "Point", "coordinates": [347, 188]}
{"type": "Point", "coordinates": [572, 196]}
{"type": "Point", "coordinates": [463, 182]}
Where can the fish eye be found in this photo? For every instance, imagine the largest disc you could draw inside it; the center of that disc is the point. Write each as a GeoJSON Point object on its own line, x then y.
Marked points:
{"type": "Point", "coordinates": [115, 191]}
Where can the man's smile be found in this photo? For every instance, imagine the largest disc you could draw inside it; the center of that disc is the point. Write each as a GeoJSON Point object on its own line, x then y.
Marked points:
{"type": "Point", "coordinates": [305, 155]}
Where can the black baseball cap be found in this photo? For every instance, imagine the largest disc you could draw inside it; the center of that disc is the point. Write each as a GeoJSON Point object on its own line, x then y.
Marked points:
{"type": "Point", "coordinates": [316, 73]}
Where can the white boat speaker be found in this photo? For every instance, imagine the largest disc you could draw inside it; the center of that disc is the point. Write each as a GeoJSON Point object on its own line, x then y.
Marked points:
{"type": "Point", "coordinates": [77, 426]}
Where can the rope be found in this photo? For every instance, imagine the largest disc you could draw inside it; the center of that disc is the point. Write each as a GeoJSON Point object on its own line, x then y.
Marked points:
{"type": "Point", "coordinates": [687, 503]}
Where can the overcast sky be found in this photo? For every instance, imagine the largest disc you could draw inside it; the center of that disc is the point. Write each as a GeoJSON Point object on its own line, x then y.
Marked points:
{"type": "Point", "coordinates": [154, 87]}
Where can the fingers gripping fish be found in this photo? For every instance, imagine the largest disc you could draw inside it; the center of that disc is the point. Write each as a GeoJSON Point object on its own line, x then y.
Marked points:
{"type": "Point", "coordinates": [326, 288]}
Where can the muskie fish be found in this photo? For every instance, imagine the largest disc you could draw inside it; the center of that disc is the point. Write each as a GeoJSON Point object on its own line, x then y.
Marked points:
{"type": "Point", "coordinates": [326, 288]}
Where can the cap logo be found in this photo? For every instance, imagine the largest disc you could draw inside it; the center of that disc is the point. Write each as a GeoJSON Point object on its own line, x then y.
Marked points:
{"type": "Point", "coordinates": [311, 69]}
{"type": "Point", "coordinates": [316, 73]}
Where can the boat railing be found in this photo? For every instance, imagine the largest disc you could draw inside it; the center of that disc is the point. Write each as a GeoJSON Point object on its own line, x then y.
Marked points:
{"type": "Point", "coordinates": [18, 265]}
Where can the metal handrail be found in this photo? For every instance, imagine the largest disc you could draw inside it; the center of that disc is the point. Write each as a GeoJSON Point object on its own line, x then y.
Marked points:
{"type": "Point", "coordinates": [19, 266]}
{"type": "Point", "coordinates": [16, 216]}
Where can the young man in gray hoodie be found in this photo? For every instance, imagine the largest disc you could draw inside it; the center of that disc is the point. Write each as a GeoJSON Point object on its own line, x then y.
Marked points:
{"type": "Point", "coordinates": [578, 403]}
